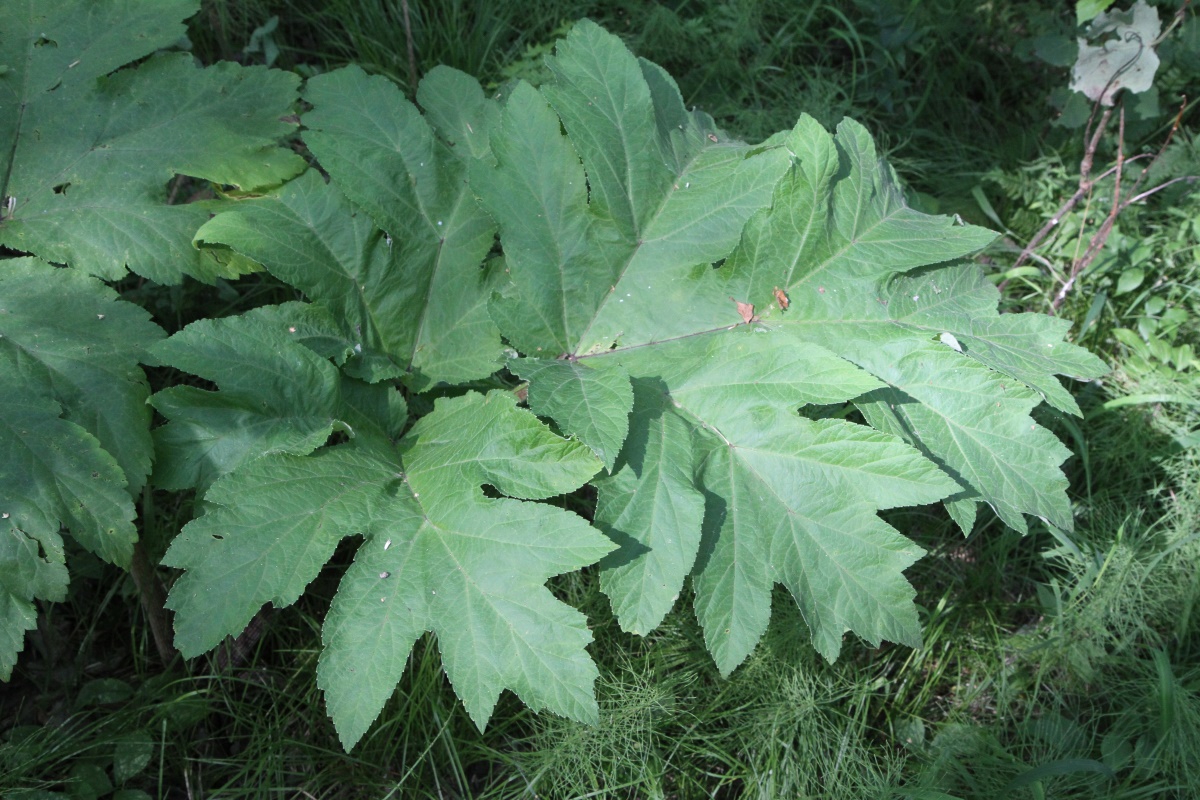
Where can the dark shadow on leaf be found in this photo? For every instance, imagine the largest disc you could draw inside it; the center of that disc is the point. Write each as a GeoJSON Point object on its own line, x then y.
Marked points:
{"type": "Point", "coordinates": [628, 549]}
{"type": "Point", "coordinates": [714, 517]}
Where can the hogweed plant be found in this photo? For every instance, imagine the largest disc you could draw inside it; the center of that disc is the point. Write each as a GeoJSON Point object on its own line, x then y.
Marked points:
{"type": "Point", "coordinates": [691, 321]}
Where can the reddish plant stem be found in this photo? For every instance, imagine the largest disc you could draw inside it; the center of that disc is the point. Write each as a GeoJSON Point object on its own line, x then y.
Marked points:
{"type": "Point", "coordinates": [154, 600]}
{"type": "Point", "coordinates": [1101, 236]}
{"type": "Point", "coordinates": [1085, 186]}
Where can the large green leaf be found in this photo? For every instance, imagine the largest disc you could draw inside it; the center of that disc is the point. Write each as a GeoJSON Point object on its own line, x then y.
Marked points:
{"type": "Point", "coordinates": [592, 404]}
{"type": "Point", "coordinates": [611, 233]}
{"type": "Point", "coordinates": [439, 556]}
{"type": "Point", "coordinates": [87, 150]}
{"type": "Point", "coordinates": [275, 395]}
{"type": "Point", "coordinates": [66, 336]}
{"type": "Point", "coordinates": [382, 293]}
{"type": "Point", "coordinates": [74, 431]}
{"type": "Point", "coordinates": [417, 291]}
{"type": "Point", "coordinates": [860, 271]}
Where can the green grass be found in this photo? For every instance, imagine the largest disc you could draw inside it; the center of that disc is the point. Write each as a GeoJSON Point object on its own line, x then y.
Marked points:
{"type": "Point", "coordinates": [1063, 669]}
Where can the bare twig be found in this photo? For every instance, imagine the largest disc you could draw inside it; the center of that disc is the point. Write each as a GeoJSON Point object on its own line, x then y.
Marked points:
{"type": "Point", "coordinates": [1101, 236]}
{"type": "Point", "coordinates": [1085, 186]}
{"type": "Point", "coordinates": [1099, 239]}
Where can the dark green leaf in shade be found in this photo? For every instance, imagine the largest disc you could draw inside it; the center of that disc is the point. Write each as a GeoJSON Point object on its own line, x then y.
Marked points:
{"type": "Point", "coordinates": [396, 314]}
{"type": "Point", "coordinates": [74, 432]}
{"type": "Point", "coordinates": [67, 336]}
{"type": "Point", "coordinates": [87, 150]}
{"type": "Point", "coordinates": [275, 395]}
{"type": "Point", "coordinates": [52, 473]}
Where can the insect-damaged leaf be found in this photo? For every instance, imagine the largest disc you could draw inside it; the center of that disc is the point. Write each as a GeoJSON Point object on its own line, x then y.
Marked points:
{"type": "Point", "coordinates": [87, 150]}
{"type": "Point", "coordinates": [611, 233]}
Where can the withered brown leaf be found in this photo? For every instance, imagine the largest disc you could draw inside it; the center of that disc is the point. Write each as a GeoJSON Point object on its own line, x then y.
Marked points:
{"type": "Point", "coordinates": [746, 310]}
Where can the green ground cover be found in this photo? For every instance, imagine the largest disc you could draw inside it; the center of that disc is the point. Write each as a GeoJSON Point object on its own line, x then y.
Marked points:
{"type": "Point", "coordinates": [1064, 668]}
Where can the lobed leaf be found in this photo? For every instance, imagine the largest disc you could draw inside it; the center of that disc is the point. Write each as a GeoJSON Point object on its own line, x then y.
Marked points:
{"type": "Point", "coordinates": [425, 304]}
{"type": "Point", "coordinates": [275, 396]}
{"type": "Point", "coordinates": [87, 150]}
{"type": "Point", "coordinates": [74, 432]}
{"type": "Point", "coordinates": [439, 556]}
{"type": "Point", "coordinates": [66, 336]}
{"type": "Point", "coordinates": [592, 404]}
{"type": "Point", "coordinates": [614, 234]}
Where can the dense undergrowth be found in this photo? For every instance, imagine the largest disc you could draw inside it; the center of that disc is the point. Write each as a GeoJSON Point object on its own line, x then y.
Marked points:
{"type": "Point", "coordinates": [1050, 668]}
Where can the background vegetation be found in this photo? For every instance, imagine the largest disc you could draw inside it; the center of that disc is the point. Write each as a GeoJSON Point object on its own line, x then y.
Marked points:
{"type": "Point", "coordinates": [1050, 668]}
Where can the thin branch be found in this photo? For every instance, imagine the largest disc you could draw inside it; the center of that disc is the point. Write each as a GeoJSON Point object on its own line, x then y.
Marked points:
{"type": "Point", "coordinates": [1101, 236]}
{"type": "Point", "coordinates": [1085, 186]}
{"type": "Point", "coordinates": [1161, 186]}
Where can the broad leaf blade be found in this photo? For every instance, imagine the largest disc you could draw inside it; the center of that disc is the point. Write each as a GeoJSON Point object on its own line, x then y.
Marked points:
{"type": "Point", "coordinates": [384, 156]}
{"type": "Point", "coordinates": [842, 264]}
{"type": "Point", "coordinates": [442, 557]}
{"type": "Point", "coordinates": [788, 500]}
{"type": "Point", "coordinates": [589, 403]}
{"type": "Point", "coordinates": [74, 432]}
{"type": "Point", "coordinates": [1029, 347]}
{"type": "Point", "coordinates": [54, 473]}
{"type": "Point", "coordinates": [67, 336]}
{"type": "Point", "coordinates": [378, 288]}
{"type": "Point", "coordinates": [733, 352]}
{"type": "Point", "coordinates": [623, 255]}
{"type": "Point", "coordinates": [652, 508]}
{"type": "Point", "coordinates": [275, 396]}
{"type": "Point", "coordinates": [93, 193]}
{"type": "Point", "coordinates": [275, 523]}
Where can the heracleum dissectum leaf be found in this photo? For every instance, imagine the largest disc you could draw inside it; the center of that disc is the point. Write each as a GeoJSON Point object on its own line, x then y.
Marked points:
{"type": "Point", "coordinates": [275, 523]}
{"type": "Point", "coordinates": [786, 497]}
{"type": "Point", "coordinates": [66, 336]}
{"type": "Point", "coordinates": [52, 473]}
{"type": "Point", "coordinates": [74, 431]}
{"type": "Point", "coordinates": [381, 153]}
{"type": "Point", "coordinates": [665, 202]}
{"type": "Point", "coordinates": [378, 290]}
{"type": "Point", "coordinates": [275, 395]}
{"type": "Point", "coordinates": [86, 153]}
{"type": "Point", "coordinates": [1029, 347]}
{"type": "Point", "coordinates": [445, 558]}
{"type": "Point", "coordinates": [439, 556]}
{"type": "Point", "coordinates": [587, 402]}
{"type": "Point", "coordinates": [850, 293]}
{"type": "Point", "coordinates": [652, 508]}
{"type": "Point", "coordinates": [648, 198]}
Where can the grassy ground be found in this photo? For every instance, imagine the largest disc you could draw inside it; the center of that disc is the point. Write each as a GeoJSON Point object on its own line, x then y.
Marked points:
{"type": "Point", "coordinates": [1050, 668]}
